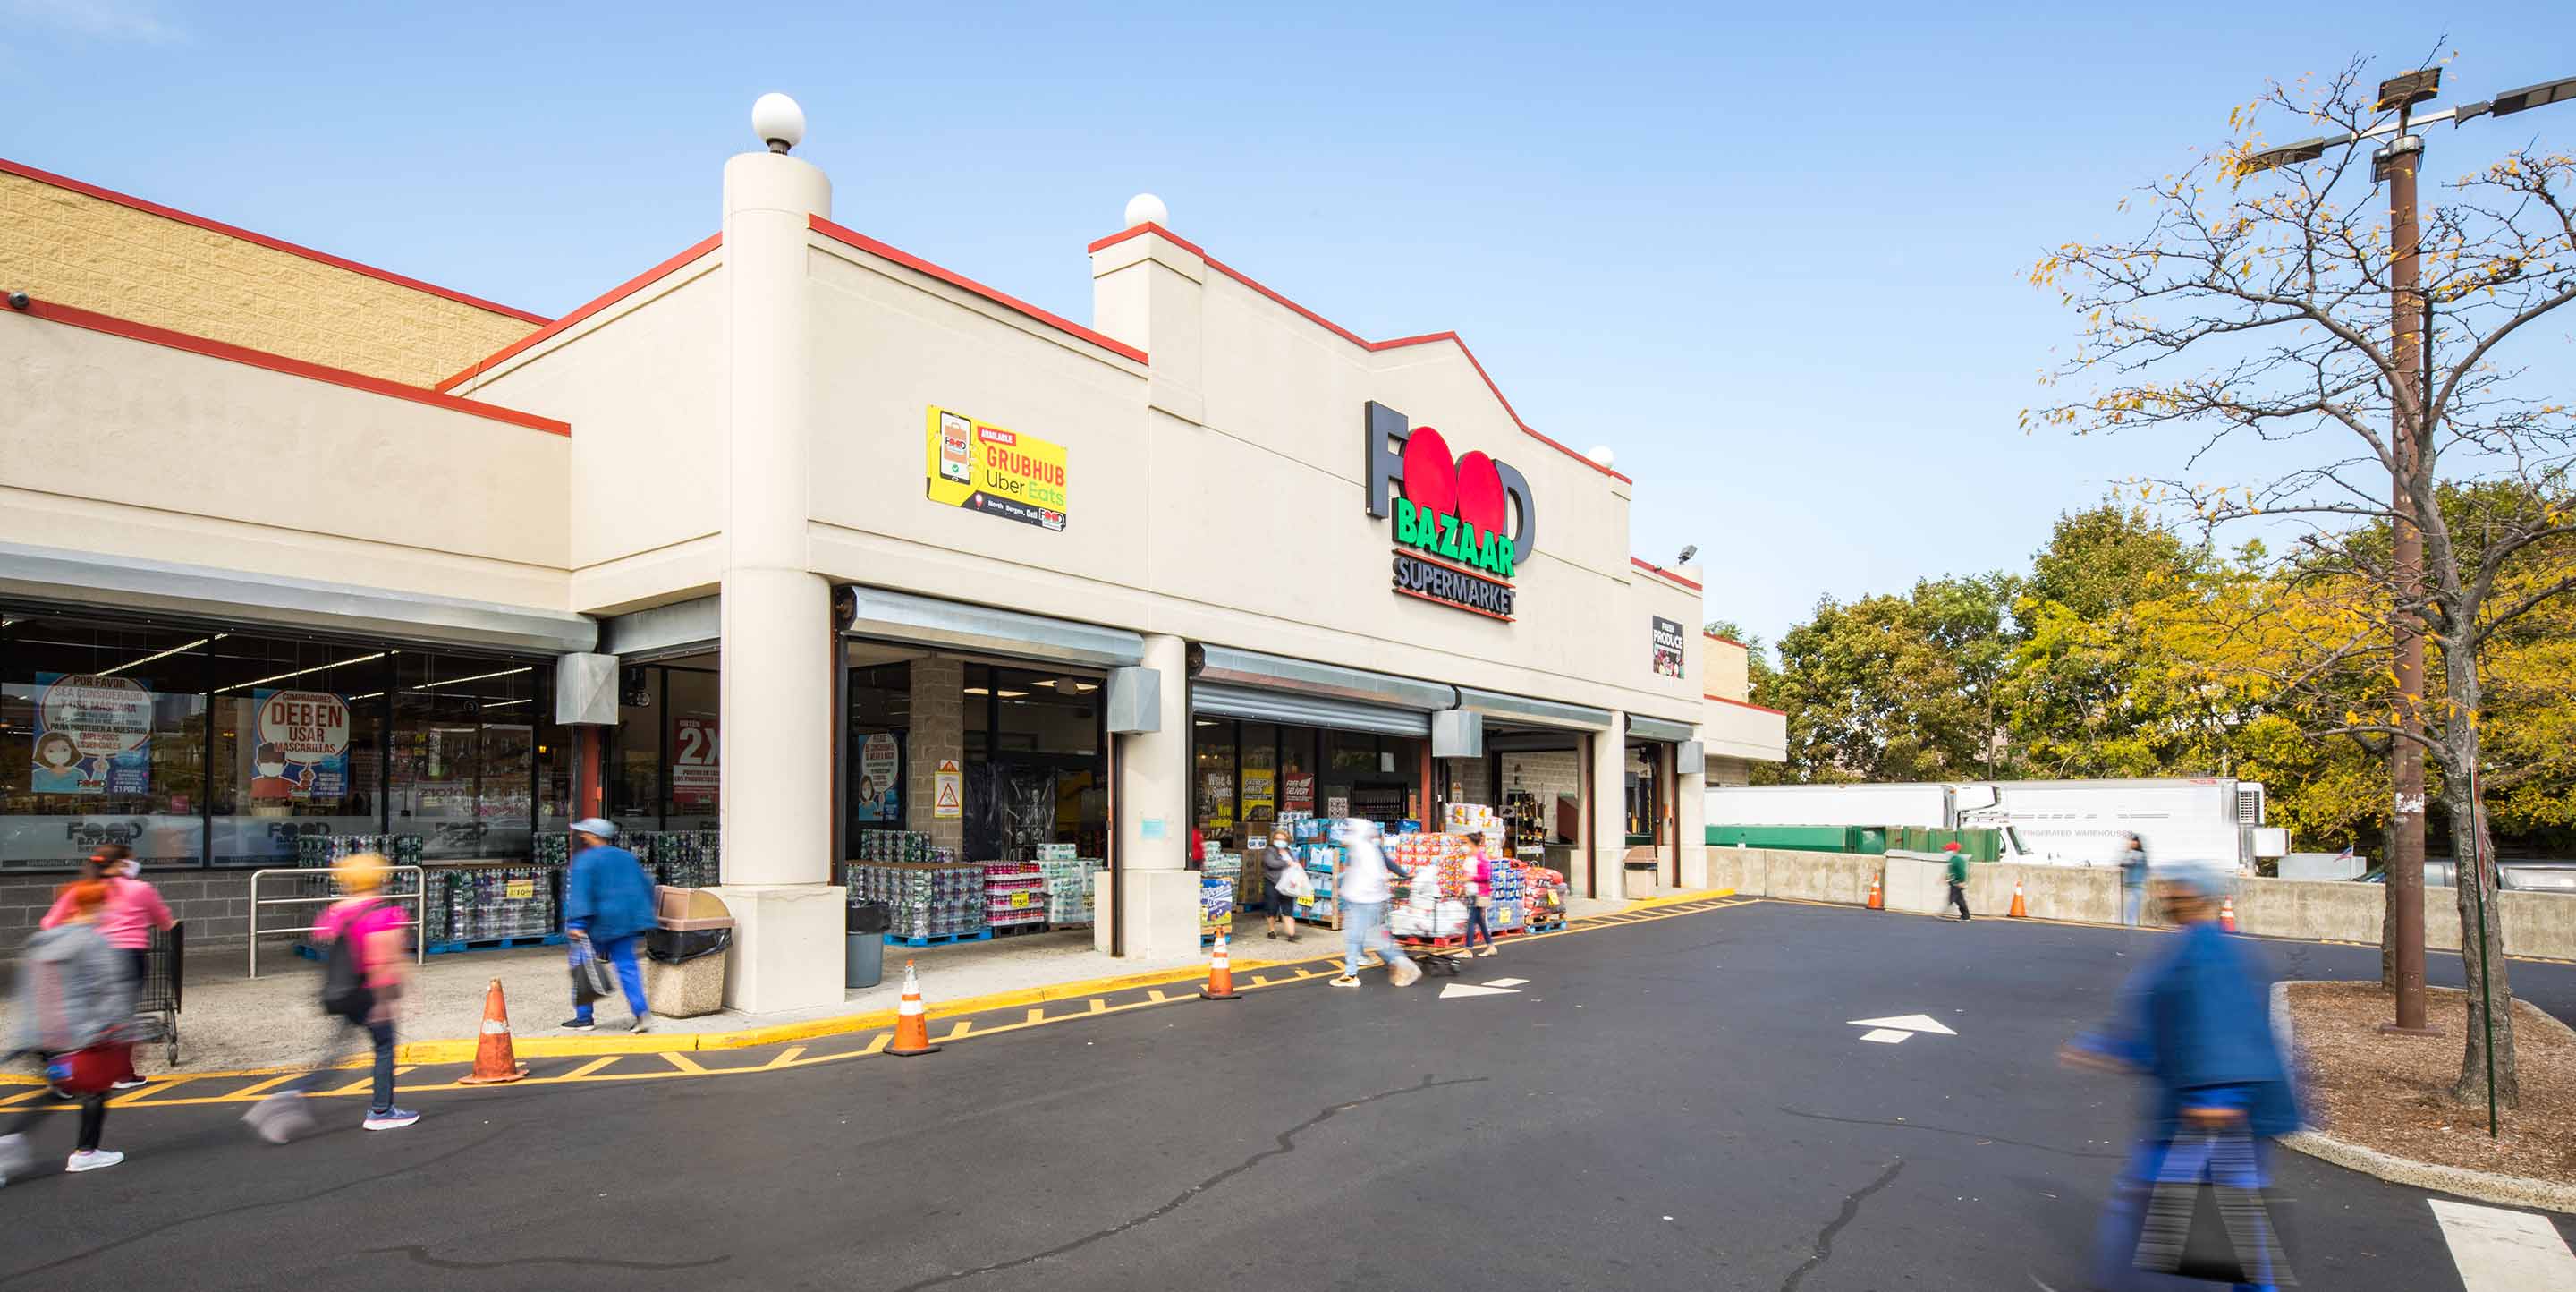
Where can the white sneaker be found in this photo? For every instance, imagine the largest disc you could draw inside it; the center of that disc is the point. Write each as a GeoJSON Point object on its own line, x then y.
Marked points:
{"type": "Point", "coordinates": [14, 1157]}
{"type": "Point", "coordinates": [279, 1118]}
{"type": "Point", "coordinates": [390, 1119]}
{"type": "Point", "coordinates": [96, 1159]}
{"type": "Point", "coordinates": [1346, 981]}
{"type": "Point", "coordinates": [130, 1083]}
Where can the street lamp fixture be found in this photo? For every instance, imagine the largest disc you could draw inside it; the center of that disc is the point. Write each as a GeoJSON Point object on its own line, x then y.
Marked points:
{"type": "Point", "coordinates": [2533, 96]}
{"type": "Point", "coordinates": [2405, 90]}
{"type": "Point", "coordinates": [2396, 165]}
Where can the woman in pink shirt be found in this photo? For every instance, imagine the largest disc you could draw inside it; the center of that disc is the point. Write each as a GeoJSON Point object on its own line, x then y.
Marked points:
{"type": "Point", "coordinates": [133, 910]}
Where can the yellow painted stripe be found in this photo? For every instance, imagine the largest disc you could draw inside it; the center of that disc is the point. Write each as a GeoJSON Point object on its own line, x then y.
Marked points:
{"type": "Point", "coordinates": [1037, 1015]}
{"type": "Point", "coordinates": [877, 1043]}
{"type": "Point", "coordinates": [684, 1063]}
{"type": "Point", "coordinates": [588, 1068]}
{"type": "Point", "coordinates": [788, 1056]}
{"type": "Point", "coordinates": [260, 1087]}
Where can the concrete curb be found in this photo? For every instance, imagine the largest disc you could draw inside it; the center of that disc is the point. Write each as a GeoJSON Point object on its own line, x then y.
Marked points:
{"type": "Point", "coordinates": [461, 1050]}
{"type": "Point", "coordinates": [2485, 1186]}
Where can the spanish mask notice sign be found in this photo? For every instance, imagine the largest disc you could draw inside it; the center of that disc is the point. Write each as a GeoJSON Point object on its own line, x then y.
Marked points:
{"type": "Point", "coordinates": [1002, 473]}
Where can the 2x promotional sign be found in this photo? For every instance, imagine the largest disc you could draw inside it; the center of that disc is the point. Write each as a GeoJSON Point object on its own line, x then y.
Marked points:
{"type": "Point", "coordinates": [1462, 526]}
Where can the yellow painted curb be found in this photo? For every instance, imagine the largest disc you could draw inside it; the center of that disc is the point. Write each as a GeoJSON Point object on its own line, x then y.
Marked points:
{"type": "Point", "coordinates": [1676, 899]}
{"type": "Point", "coordinates": [558, 1047]}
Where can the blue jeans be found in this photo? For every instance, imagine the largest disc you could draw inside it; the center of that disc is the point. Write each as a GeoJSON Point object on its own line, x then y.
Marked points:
{"type": "Point", "coordinates": [1476, 924]}
{"type": "Point", "coordinates": [2115, 1241]}
{"type": "Point", "coordinates": [2133, 903]}
{"type": "Point", "coordinates": [380, 1034]}
{"type": "Point", "coordinates": [1364, 929]}
{"type": "Point", "coordinates": [630, 975]}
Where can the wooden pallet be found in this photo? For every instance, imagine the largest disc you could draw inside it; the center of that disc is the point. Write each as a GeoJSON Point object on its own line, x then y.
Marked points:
{"type": "Point", "coordinates": [900, 940]}
{"type": "Point", "coordinates": [493, 944]}
{"type": "Point", "coordinates": [1459, 940]}
{"type": "Point", "coordinates": [1009, 930]}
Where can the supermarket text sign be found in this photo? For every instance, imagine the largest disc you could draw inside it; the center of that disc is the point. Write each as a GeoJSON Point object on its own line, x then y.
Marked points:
{"type": "Point", "coordinates": [981, 467]}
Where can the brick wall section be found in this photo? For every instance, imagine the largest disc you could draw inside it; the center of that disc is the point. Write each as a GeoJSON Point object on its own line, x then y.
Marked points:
{"type": "Point", "coordinates": [938, 731]}
{"type": "Point", "coordinates": [214, 903]}
{"type": "Point", "coordinates": [69, 247]}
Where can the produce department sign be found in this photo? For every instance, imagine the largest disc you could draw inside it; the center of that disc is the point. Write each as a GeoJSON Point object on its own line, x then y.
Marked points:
{"type": "Point", "coordinates": [1450, 520]}
{"type": "Point", "coordinates": [1002, 473]}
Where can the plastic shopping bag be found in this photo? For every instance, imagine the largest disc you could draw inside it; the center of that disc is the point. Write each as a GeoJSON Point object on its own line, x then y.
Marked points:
{"type": "Point", "coordinates": [1295, 884]}
{"type": "Point", "coordinates": [592, 979]}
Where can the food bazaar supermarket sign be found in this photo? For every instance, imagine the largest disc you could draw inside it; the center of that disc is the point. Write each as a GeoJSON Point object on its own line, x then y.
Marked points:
{"type": "Point", "coordinates": [1450, 519]}
{"type": "Point", "coordinates": [982, 467]}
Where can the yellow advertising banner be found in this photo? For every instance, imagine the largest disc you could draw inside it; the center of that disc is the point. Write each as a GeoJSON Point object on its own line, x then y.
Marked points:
{"type": "Point", "coordinates": [982, 467]}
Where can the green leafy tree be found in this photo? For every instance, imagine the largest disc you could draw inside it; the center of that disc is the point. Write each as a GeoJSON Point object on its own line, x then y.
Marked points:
{"type": "Point", "coordinates": [1897, 688]}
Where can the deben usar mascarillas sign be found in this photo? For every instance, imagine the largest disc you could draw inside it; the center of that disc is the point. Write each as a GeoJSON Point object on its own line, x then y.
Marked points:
{"type": "Point", "coordinates": [1462, 526]}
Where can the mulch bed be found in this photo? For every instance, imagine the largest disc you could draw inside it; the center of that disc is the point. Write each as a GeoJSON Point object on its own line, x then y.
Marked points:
{"type": "Point", "coordinates": [2392, 1093]}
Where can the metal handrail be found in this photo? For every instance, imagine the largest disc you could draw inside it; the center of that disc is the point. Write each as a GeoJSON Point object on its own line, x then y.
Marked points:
{"type": "Point", "coordinates": [418, 897]}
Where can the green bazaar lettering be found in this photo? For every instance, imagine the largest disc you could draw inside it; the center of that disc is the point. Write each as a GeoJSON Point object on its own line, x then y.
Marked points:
{"type": "Point", "coordinates": [1452, 539]}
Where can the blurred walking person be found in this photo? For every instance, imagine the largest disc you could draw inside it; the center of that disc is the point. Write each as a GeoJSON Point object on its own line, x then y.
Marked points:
{"type": "Point", "coordinates": [364, 978]}
{"type": "Point", "coordinates": [1278, 908]}
{"type": "Point", "coordinates": [2133, 881]}
{"type": "Point", "coordinates": [134, 910]}
{"type": "Point", "coordinates": [74, 1000]}
{"type": "Point", "coordinates": [1958, 878]}
{"type": "Point", "coordinates": [1361, 891]}
{"type": "Point", "coordinates": [1480, 896]}
{"type": "Point", "coordinates": [608, 907]}
{"type": "Point", "coordinates": [2196, 1022]}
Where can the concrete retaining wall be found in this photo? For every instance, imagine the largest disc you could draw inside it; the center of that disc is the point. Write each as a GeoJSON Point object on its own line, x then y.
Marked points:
{"type": "Point", "coordinates": [2536, 924]}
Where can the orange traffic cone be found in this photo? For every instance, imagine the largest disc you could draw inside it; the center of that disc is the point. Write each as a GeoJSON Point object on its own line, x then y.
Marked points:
{"type": "Point", "coordinates": [494, 1060]}
{"type": "Point", "coordinates": [911, 1023]}
{"type": "Point", "coordinates": [2019, 910]}
{"type": "Point", "coordinates": [1877, 900]}
{"type": "Point", "coordinates": [1220, 984]}
{"type": "Point", "coordinates": [2227, 915]}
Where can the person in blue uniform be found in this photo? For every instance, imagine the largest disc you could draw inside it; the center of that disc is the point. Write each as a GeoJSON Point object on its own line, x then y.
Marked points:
{"type": "Point", "coordinates": [2196, 1022]}
{"type": "Point", "coordinates": [608, 906]}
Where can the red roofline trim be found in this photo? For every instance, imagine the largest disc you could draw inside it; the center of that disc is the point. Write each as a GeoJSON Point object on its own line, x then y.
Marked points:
{"type": "Point", "coordinates": [1644, 564]}
{"type": "Point", "coordinates": [24, 171]}
{"type": "Point", "coordinates": [854, 238]}
{"type": "Point", "coordinates": [1745, 704]}
{"type": "Point", "coordinates": [1354, 337]}
{"type": "Point", "coordinates": [1728, 640]}
{"type": "Point", "coordinates": [557, 328]}
{"type": "Point", "coordinates": [72, 316]}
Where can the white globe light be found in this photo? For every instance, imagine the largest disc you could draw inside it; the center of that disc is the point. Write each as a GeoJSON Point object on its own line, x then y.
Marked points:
{"type": "Point", "coordinates": [1600, 454]}
{"type": "Point", "coordinates": [778, 122]}
{"type": "Point", "coordinates": [1145, 208]}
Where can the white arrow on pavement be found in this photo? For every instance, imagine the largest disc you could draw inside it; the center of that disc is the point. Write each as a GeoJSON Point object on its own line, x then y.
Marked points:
{"type": "Point", "coordinates": [1458, 989]}
{"type": "Point", "coordinates": [1509, 982]}
{"type": "Point", "coordinates": [1909, 1023]}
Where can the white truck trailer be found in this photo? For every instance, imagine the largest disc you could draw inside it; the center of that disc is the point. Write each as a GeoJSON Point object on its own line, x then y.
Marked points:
{"type": "Point", "coordinates": [2064, 823]}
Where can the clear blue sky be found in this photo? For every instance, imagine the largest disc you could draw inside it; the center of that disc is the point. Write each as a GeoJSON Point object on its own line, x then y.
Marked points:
{"type": "Point", "coordinates": [1777, 263]}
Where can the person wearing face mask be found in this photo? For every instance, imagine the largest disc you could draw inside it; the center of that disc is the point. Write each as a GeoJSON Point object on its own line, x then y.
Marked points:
{"type": "Point", "coordinates": [271, 789]}
{"type": "Point", "coordinates": [73, 997]}
{"type": "Point", "coordinates": [134, 910]}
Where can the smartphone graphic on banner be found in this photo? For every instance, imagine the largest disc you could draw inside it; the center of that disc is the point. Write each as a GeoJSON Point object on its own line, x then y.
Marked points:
{"type": "Point", "coordinates": [956, 458]}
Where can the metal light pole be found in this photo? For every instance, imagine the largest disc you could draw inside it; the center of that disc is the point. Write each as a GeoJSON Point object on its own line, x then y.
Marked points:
{"type": "Point", "coordinates": [2410, 437]}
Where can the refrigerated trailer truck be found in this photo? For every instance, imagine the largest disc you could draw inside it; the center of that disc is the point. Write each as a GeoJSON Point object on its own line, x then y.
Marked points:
{"type": "Point", "coordinates": [2064, 823]}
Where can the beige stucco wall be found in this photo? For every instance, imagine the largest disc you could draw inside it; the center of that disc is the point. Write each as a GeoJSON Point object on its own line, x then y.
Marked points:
{"type": "Point", "coordinates": [1245, 527]}
{"type": "Point", "coordinates": [643, 382]}
{"type": "Point", "coordinates": [65, 246]}
{"type": "Point", "coordinates": [1727, 669]}
{"type": "Point", "coordinates": [141, 450]}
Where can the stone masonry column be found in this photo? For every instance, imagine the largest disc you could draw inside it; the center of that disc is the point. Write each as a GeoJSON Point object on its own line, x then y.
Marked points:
{"type": "Point", "coordinates": [776, 737]}
{"type": "Point", "coordinates": [1608, 782]}
{"type": "Point", "coordinates": [938, 732]}
{"type": "Point", "coordinates": [1158, 895]}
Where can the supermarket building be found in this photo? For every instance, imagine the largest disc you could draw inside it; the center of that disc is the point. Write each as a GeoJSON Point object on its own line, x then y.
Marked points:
{"type": "Point", "coordinates": [790, 538]}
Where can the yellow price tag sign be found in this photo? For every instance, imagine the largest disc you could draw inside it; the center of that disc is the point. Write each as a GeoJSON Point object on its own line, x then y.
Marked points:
{"type": "Point", "coordinates": [1019, 900]}
{"type": "Point", "coordinates": [518, 890]}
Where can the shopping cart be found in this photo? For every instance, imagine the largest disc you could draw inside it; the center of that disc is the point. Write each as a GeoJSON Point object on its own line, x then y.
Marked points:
{"type": "Point", "coordinates": [1437, 957]}
{"type": "Point", "coordinates": [156, 1005]}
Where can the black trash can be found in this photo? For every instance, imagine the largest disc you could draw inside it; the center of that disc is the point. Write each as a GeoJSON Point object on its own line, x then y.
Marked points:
{"type": "Point", "coordinates": [863, 960]}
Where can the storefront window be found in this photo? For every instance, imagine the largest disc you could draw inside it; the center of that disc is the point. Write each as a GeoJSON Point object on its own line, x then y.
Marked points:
{"type": "Point", "coordinates": [690, 704]}
{"type": "Point", "coordinates": [880, 698]}
{"type": "Point", "coordinates": [102, 740]}
{"type": "Point", "coordinates": [1034, 770]}
{"type": "Point", "coordinates": [1212, 781]}
{"type": "Point", "coordinates": [633, 770]}
{"type": "Point", "coordinates": [1644, 793]}
{"type": "Point", "coordinates": [1260, 776]}
{"type": "Point", "coordinates": [463, 764]}
{"type": "Point", "coordinates": [298, 745]}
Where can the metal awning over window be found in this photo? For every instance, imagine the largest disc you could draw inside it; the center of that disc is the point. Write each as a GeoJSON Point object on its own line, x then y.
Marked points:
{"type": "Point", "coordinates": [904, 617]}
{"type": "Point", "coordinates": [1645, 728]}
{"type": "Point", "coordinates": [1545, 713]}
{"type": "Point", "coordinates": [1223, 700]}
